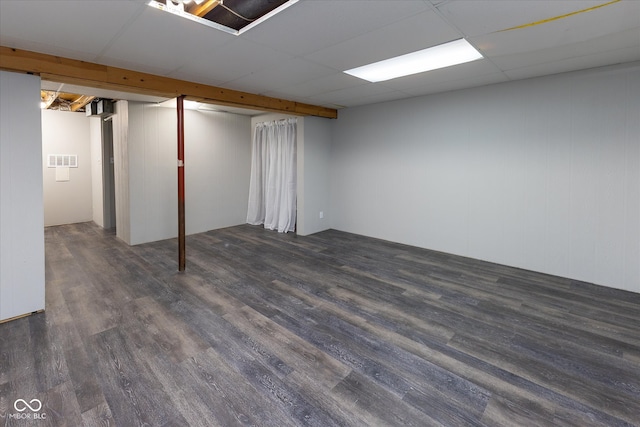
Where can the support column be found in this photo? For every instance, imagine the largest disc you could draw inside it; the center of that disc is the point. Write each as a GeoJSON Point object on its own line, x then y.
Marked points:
{"type": "Point", "coordinates": [181, 214]}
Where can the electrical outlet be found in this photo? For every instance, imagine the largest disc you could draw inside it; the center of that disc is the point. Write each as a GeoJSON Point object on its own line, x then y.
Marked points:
{"type": "Point", "coordinates": [321, 214]}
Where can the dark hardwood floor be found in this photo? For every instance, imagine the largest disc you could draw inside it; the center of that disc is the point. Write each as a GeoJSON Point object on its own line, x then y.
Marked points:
{"type": "Point", "coordinates": [333, 329]}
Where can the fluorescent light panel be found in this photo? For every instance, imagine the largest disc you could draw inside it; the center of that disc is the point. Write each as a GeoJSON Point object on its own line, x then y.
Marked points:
{"type": "Point", "coordinates": [433, 58]}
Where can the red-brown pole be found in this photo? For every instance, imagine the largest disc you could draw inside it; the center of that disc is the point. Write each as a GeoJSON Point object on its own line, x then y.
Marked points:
{"type": "Point", "coordinates": [181, 217]}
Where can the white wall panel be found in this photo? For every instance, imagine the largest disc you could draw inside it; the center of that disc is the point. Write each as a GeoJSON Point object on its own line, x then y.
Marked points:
{"type": "Point", "coordinates": [22, 279]}
{"type": "Point", "coordinates": [152, 172]}
{"type": "Point", "coordinates": [541, 174]}
{"type": "Point", "coordinates": [217, 162]}
{"type": "Point", "coordinates": [217, 169]}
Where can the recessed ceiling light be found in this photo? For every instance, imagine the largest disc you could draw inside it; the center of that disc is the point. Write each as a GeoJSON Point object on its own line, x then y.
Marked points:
{"type": "Point", "coordinates": [433, 58]}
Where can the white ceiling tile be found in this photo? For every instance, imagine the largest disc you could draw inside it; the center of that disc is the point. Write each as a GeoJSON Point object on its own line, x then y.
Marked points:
{"type": "Point", "coordinates": [448, 85]}
{"type": "Point", "coordinates": [482, 17]}
{"type": "Point", "coordinates": [373, 99]}
{"type": "Point", "coordinates": [49, 49]}
{"type": "Point", "coordinates": [336, 81]}
{"type": "Point", "coordinates": [241, 58]}
{"type": "Point", "coordinates": [576, 63]}
{"type": "Point", "coordinates": [417, 32]}
{"type": "Point", "coordinates": [284, 74]}
{"type": "Point", "coordinates": [161, 41]}
{"type": "Point", "coordinates": [607, 20]}
{"type": "Point", "coordinates": [311, 25]}
{"type": "Point", "coordinates": [625, 39]}
{"type": "Point", "coordinates": [82, 28]}
{"type": "Point", "coordinates": [344, 96]}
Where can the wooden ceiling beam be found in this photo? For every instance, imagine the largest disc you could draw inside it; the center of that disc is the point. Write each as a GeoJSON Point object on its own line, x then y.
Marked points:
{"type": "Point", "coordinates": [203, 8]}
{"type": "Point", "coordinates": [72, 71]}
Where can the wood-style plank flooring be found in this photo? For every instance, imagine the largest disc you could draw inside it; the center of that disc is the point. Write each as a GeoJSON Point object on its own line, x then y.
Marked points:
{"type": "Point", "coordinates": [333, 329]}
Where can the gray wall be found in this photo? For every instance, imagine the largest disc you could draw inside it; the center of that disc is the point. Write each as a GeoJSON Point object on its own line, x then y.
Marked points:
{"type": "Point", "coordinates": [95, 141]}
{"type": "Point", "coordinates": [315, 154]}
{"type": "Point", "coordinates": [22, 284]}
{"type": "Point", "coordinates": [67, 202]}
{"type": "Point", "coordinates": [542, 174]}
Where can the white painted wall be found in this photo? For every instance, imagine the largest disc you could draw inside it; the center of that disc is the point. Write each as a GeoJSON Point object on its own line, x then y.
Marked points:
{"type": "Point", "coordinates": [67, 202]}
{"type": "Point", "coordinates": [152, 173]}
{"type": "Point", "coordinates": [95, 142]}
{"type": "Point", "coordinates": [217, 162]}
{"type": "Point", "coordinates": [542, 174]}
{"type": "Point", "coordinates": [22, 281]}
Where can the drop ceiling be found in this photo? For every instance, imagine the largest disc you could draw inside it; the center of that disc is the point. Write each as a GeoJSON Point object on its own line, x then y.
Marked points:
{"type": "Point", "coordinates": [300, 54]}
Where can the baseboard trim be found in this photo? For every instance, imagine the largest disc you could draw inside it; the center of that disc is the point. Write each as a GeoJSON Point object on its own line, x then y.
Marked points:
{"type": "Point", "coordinates": [20, 316]}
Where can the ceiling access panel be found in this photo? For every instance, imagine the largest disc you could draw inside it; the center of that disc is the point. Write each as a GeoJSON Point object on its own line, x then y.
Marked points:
{"type": "Point", "coordinates": [249, 9]}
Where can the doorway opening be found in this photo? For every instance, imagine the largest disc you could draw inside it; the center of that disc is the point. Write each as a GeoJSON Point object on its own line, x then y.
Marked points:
{"type": "Point", "coordinates": [108, 177]}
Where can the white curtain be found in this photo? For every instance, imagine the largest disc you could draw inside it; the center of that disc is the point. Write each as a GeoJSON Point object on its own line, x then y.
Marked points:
{"type": "Point", "coordinates": [272, 191]}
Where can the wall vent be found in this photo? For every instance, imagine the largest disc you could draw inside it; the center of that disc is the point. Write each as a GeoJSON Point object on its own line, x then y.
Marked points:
{"type": "Point", "coordinates": [62, 160]}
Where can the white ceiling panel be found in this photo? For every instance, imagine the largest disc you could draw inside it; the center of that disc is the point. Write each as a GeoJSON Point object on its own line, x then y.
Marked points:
{"type": "Point", "coordinates": [164, 42]}
{"type": "Point", "coordinates": [336, 81]}
{"type": "Point", "coordinates": [408, 35]}
{"type": "Point", "coordinates": [583, 27]}
{"type": "Point", "coordinates": [83, 27]}
{"type": "Point", "coordinates": [49, 49]}
{"type": "Point", "coordinates": [345, 96]}
{"type": "Point", "coordinates": [311, 25]}
{"type": "Point", "coordinates": [229, 62]}
{"type": "Point", "coordinates": [611, 42]}
{"type": "Point", "coordinates": [482, 17]}
{"type": "Point", "coordinates": [373, 99]}
{"type": "Point", "coordinates": [577, 63]}
{"type": "Point", "coordinates": [464, 83]}
{"type": "Point", "coordinates": [284, 74]}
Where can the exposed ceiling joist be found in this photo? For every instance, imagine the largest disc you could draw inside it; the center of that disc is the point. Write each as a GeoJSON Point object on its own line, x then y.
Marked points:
{"type": "Point", "coordinates": [57, 100]}
{"type": "Point", "coordinates": [47, 98]}
{"type": "Point", "coordinates": [81, 102]}
{"type": "Point", "coordinates": [72, 71]}
{"type": "Point", "coordinates": [203, 8]}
